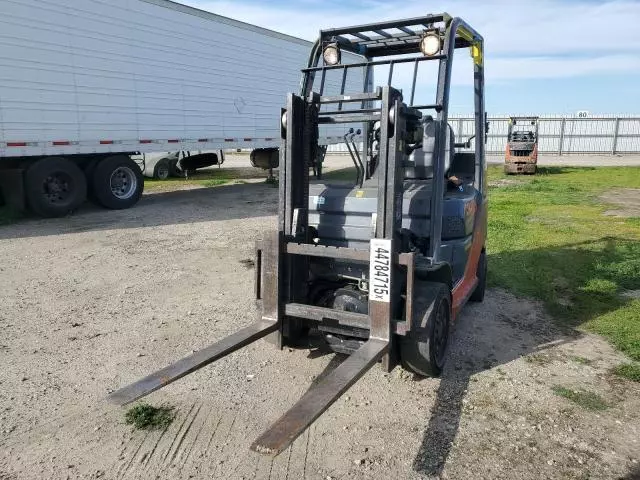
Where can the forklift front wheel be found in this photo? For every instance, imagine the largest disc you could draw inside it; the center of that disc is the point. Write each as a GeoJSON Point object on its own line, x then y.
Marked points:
{"type": "Point", "coordinates": [423, 350]}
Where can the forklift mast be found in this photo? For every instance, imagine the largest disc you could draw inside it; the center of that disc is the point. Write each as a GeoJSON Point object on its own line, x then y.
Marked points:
{"type": "Point", "coordinates": [523, 129]}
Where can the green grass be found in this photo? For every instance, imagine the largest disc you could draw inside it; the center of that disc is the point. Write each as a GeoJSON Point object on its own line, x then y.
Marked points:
{"type": "Point", "coordinates": [548, 239]}
{"type": "Point", "coordinates": [206, 178]}
{"type": "Point", "coordinates": [630, 371]}
{"type": "Point", "coordinates": [146, 417]}
{"type": "Point", "coordinates": [583, 398]}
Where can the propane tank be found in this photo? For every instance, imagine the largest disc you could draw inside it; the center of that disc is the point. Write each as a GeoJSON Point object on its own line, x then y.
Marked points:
{"type": "Point", "coordinates": [265, 158]}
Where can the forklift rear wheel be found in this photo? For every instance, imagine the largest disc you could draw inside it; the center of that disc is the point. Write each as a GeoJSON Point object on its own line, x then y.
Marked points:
{"type": "Point", "coordinates": [423, 350]}
{"type": "Point", "coordinates": [478, 293]}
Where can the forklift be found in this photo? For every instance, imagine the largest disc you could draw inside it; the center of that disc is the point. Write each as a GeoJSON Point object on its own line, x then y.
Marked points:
{"type": "Point", "coordinates": [521, 155]}
{"type": "Point", "coordinates": [377, 268]}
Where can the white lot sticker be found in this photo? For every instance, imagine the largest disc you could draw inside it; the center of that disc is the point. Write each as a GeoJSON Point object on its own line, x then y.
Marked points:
{"type": "Point", "coordinates": [380, 270]}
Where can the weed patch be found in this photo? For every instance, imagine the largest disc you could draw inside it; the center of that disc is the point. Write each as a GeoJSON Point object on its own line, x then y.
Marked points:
{"type": "Point", "coordinates": [146, 417]}
{"type": "Point", "coordinates": [583, 398]}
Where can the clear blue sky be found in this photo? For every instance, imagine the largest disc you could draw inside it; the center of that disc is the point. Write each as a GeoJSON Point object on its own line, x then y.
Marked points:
{"type": "Point", "coordinates": [542, 56]}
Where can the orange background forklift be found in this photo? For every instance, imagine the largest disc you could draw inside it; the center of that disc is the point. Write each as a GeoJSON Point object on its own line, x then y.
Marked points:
{"type": "Point", "coordinates": [521, 155]}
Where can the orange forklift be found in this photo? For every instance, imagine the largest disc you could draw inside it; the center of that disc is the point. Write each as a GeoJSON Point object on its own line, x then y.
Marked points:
{"type": "Point", "coordinates": [378, 267]}
{"type": "Point", "coordinates": [521, 154]}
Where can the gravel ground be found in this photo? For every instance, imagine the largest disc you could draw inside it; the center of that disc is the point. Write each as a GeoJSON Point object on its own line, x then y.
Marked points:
{"type": "Point", "coordinates": [96, 300]}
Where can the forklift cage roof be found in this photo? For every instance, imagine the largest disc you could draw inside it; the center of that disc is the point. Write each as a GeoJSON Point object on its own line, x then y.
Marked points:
{"type": "Point", "coordinates": [405, 40]}
{"type": "Point", "coordinates": [396, 38]}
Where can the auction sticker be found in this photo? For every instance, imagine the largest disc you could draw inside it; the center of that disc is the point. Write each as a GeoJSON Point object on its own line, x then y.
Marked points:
{"type": "Point", "coordinates": [380, 270]}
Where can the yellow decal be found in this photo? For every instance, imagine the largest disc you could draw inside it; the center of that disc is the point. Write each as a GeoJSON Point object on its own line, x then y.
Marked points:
{"type": "Point", "coordinates": [359, 193]}
{"type": "Point", "coordinates": [476, 54]}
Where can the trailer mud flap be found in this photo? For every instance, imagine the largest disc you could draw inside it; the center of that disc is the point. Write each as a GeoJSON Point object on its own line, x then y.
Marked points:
{"type": "Point", "coordinates": [189, 364]}
{"type": "Point", "coordinates": [320, 397]}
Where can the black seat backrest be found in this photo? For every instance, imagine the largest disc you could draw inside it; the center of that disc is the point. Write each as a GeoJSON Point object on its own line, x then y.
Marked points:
{"type": "Point", "coordinates": [419, 165]}
{"type": "Point", "coordinates": [463, 166]}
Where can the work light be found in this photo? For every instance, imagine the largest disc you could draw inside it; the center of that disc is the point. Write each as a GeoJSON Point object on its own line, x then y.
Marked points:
{"type": "Point", "coordinates": [331, 54]}
{"type": "Point", "coordinates": [430, 43]}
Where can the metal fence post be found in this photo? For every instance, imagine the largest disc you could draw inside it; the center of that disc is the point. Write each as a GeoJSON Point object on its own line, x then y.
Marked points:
{"type": "Point", "coordinates": [615, 136]}
{"type": "Point", "coordinates": [562, 124]}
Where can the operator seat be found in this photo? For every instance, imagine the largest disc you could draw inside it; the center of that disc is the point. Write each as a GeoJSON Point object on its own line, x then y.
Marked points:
{"type": "Point", "coordinates": [419, 165]}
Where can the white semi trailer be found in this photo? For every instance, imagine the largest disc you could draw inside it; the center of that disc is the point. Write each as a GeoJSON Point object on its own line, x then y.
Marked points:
{"type": "Point", "coordinates": [85, 85]}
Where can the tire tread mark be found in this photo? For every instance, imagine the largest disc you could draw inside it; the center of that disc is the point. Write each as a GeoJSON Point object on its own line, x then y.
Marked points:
{"type": "Point", "coordinates": [286, 475]}
{"type": "Point", "coordinates": [195, 440]}
{"type": "Point", "coordinates": [270, 468]}
{"type": "Point", "coordinates": [184, 435]}
{"type": "Point", "coordinates": [186, 417]}
{"type": "Point", "coordinates": [123, 472]}
{"type": "Point", "coordinates": [215, 429]}
{"type": "Point", "coordinates": [148, 459]}
{"type": "Point", "coordinates": [233, 422]}
{"type": "Point", "coordinates": [64, 419]}
{"type": "Point", "coordinates": [306, 454]}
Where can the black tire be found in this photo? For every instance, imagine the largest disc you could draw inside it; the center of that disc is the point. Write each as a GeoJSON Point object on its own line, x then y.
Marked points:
{"type": "Point", "coordinates": [162, 170]}
{"type": "Point", "coordinates": [174, 170]}
{"type": "Point", "coordinates": [478, 293]}
{"type": "Point", "coordinates": [54, 187]}
{"type": "Point", "coordinates": [423, 351]}
{"type": "Point", "coordinates": [117, 182]}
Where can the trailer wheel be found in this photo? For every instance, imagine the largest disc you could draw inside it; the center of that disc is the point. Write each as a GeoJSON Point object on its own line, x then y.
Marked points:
{"type": "Point", "coordinates": [117, 182]}
{"type": "Point", "coordinates": [478, 293]}
{"type": "Point", "coordinates": [162, 170]}
{"type": "Point", "coordinates": [54, 186]}
{"type": "Point", "coordinates": [423, 350]}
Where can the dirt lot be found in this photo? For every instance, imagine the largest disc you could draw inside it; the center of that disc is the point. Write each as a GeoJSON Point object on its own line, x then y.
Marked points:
{"type": "Point", "coordinates": [627, 201]}
{"type": "Point", "coordinates": [96, 300]}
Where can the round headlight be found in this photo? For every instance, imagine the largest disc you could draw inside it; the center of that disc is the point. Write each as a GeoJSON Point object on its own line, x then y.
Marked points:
{"type": "Point", "coordinates": [331, 54]}
{"type": "Point", "coordinates": [430, 44]}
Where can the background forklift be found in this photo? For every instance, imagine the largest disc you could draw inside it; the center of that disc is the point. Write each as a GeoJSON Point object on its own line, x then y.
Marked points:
{"type": "Point", "coordinates": [521, 155]}
{"type": "Point", "coordinates": [379, 267]}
